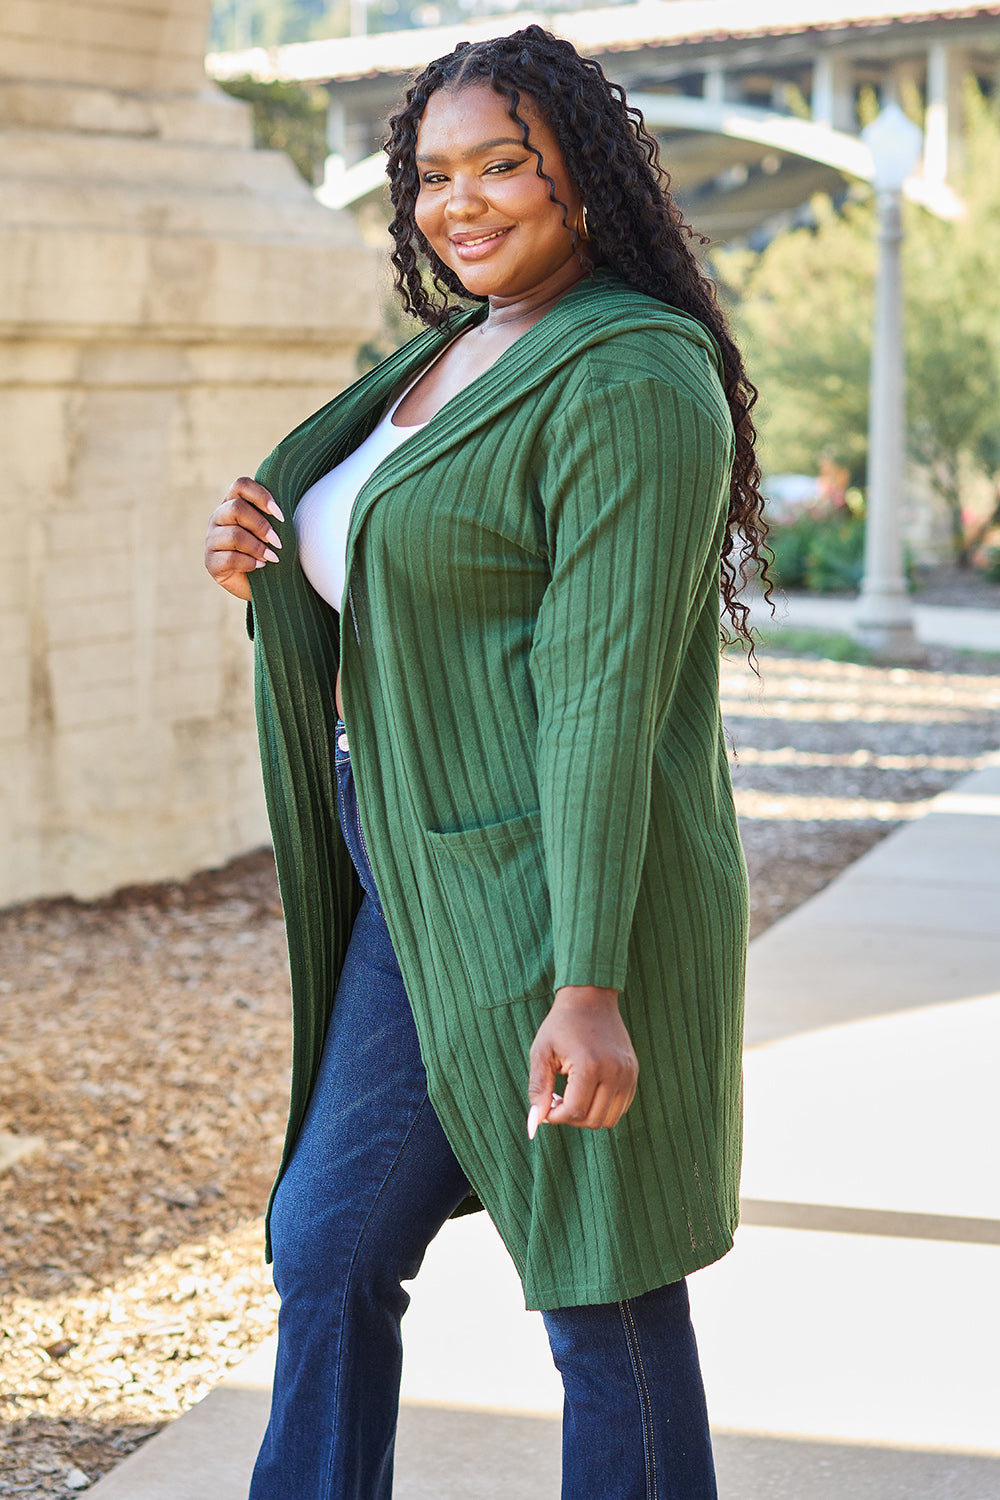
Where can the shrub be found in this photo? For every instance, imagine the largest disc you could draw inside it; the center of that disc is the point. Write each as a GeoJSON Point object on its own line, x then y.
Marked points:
{"type": "Point", "coordinates": [823, 552]}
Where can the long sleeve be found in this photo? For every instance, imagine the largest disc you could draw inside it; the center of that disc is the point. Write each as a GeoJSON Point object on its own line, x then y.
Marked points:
{"type": "Point", "coordinates": [635, 491]}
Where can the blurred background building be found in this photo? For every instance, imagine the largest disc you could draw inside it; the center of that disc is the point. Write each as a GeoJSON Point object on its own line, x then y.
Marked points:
{"type": "Point", "coordinates": [756, 106]}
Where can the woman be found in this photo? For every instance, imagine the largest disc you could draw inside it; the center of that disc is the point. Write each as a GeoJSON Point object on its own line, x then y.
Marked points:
{"type": "Point", "coordinates": [508, 856]}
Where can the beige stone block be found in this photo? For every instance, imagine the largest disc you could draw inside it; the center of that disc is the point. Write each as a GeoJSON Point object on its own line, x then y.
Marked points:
{"type": "Point", "coordinates": [14, 695]}
{"type": "Point", "coordinates": [185, 284]}
{"type": "Point", "coordinates": [121, 446]}
{"type": "Point", "coordinates": [232, 380]}
{"type": "Point", "coordinates": [123, 801]}
{"type": "Point", "coordinates": [14, 650]}
{"type": "Point", "coordinates": [20, 871]}
{"type": "Point", "coordinates": [77, 578]}
{"type": "Point", "coordinates": [158, 7]}
{"type": "Point", "coordinates": [37, 57]}
{"type": "Point", "coordinates": [186, 609]}
{"type": "Point", "coordinates": [109, 771]}
{"type": "Point", "coordinates": [15, 701]}
{"type": "Point", "coordinates": [14, 636]}
{"type": "Point", "coordinates": [52, 17]}
{"type": "Point", "coordinates": [149, 32]}
{"type": "Point", "coordinates": [73, 531]}
{"type": "Point", "coordinates": [137, 842]}
{"type": "Point", "coordinates": [189, 608]}
{"type": "Point", "coordinates": [116, 775]}
{"type": "Point", "coordinates": [211, 117]}
{"type": "Point", "coordinates": [235, 814]}
{"type": "Point", "coordinates": [92, 664]}
{"type": "Point", "coordinates": [29, 367]}
{"type": "Point", "coordinates": [13, 591]}
{"type": "Point", "coordinates": [77, 705]}
{"type": "Point", "coordinates": [297, 371]}
{"type": "Point", "coordinates": [247, 423]}
{"type": "Point", "coordinates": [176, 303]}
{"type": "Point", "coordinates": [14, 725]}
{"type": "Point", "coordinates": [36, 421]}
{"type": "Point", "coordinates": [163, 208]}
{"type": "Point", "coordinates": [185, 506]}
{"type": "Point", "coordinates": [185, 692]}
{"type": "Point", "coordinates": [101, 620]}
{"type": "Point", "coordinates": [144, 28]}
{"type": "Point", "coordinates": [186, 620]}
{"type": "Point", "coordinates": [132, 367]}
{"type": "Point", "coordinates": [139, 163]}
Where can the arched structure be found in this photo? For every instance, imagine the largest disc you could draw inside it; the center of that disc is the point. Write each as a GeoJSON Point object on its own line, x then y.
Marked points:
{"type": "Point", "coordinates": [756, 105]}
{"type": "Point", "coordinates": [796, 139]}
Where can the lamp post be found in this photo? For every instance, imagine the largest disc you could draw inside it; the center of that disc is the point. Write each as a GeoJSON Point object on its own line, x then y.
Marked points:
{"type": "Point", "coordinates": [884, 621]}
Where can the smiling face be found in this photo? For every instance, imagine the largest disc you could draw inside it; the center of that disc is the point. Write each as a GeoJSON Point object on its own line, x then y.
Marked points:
{"type": "Point", "coordinates": [482, 207]}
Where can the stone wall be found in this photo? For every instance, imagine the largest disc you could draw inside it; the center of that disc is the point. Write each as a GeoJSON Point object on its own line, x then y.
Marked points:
{"type": "Point", "coordinates": [171, 302]}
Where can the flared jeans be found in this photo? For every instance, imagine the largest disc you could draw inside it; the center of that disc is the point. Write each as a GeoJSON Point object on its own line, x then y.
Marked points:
{"type": "Point", "coordinates": [371, 1181]}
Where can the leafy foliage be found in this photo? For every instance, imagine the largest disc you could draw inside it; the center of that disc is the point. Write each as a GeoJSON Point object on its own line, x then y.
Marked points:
{"type": "Point", "coordinates": [804, 309]}
{"type": "Point", "coordinates": [236, 24]}
{"type": "Point", "coordinates": [820, 552]}
{"type": "Point", "coordinates": [288, 117]}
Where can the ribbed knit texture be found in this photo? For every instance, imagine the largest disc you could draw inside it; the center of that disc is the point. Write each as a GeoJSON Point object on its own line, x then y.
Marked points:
{"type": "Point", "coordinates": [530, 645]}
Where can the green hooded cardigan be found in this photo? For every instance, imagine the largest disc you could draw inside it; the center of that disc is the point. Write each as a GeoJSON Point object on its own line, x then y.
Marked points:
{"type": "Point", "coordinates": [530, 643]}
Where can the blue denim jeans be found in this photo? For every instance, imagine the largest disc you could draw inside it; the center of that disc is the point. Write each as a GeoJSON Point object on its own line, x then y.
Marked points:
{"type": "Point", "coordinates": [370, 1183]}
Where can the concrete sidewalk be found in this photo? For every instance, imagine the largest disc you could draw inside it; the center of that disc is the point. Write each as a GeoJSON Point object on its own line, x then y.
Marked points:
{"type": "Point", "coordinates": [849, 1341]}
{"type": "Point", "coordinates": [969, 629]}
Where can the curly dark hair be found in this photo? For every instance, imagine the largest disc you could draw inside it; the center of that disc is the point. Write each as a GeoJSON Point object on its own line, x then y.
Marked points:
{"type": "Point", "coordinates": [634, 228]}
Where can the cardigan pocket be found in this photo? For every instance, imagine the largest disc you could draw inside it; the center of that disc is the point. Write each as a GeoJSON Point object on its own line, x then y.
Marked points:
{"type": "Point", "coordinates": [496, 894]}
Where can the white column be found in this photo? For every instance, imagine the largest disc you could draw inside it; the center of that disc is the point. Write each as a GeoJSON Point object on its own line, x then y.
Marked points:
{"type": "Point", "coordinates": [335, 164]}
{"type": "Point", "coordinates": [833, 91]}
{"type": "Point", "coordinates": [336, 126]}
{"type": "Point", "coordinates": [942, 121]}
{"type": "Point", "coordinates": [714, 85]}
{"type": "Point", "coordinates": [884, 620]}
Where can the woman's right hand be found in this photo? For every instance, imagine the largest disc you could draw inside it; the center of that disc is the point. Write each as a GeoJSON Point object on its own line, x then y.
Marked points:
{"type": "Point", "coordinates": [240, 537]}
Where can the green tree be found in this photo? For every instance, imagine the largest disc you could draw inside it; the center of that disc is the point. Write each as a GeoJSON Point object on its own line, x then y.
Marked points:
{"type": "Point", "coordinates": [237, 24]}
{"type": "Point", "coordinates": [804, 309]}
{"type": "Point", "coordinates": [288, 117]}
{"type": "Point", "coordinates": [953, 327]}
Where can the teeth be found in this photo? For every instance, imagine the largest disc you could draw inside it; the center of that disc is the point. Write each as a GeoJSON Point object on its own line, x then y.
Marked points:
{"type": "Point", "coordinates": [495, 236]}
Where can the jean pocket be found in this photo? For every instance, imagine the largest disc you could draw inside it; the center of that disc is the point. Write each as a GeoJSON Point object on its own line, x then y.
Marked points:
{"type": "Point", "coordinates": [496, 893]}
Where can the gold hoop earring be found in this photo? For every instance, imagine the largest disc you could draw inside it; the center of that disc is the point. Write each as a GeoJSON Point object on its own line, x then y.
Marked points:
{"type": "Point", "coordinates": [582, 230]}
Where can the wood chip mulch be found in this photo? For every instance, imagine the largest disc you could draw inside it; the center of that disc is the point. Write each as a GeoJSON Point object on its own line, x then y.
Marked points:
{"type": "Point", "coordinates": [146, 1045]}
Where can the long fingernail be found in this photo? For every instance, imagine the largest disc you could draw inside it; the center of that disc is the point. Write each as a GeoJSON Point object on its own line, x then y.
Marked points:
{"type": "Point", "coordinates": [272, 506]}
{"type": "Point", "coordinates": [260, 563]}
{"type": "Point", "coordinates": [532, 1121]}
{"type": "Point", "coordinates": [273, 537]}
{"type": "Point", "coordinates": [270, 556]}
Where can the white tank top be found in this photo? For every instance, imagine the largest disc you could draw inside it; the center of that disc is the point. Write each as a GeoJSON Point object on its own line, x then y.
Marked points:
{"type": "Point", "coordinates": [323, 514]}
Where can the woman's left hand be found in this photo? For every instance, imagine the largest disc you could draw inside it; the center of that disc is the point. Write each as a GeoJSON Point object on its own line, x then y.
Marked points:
{"type": "Point", "coordinates": [584, 1037]}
